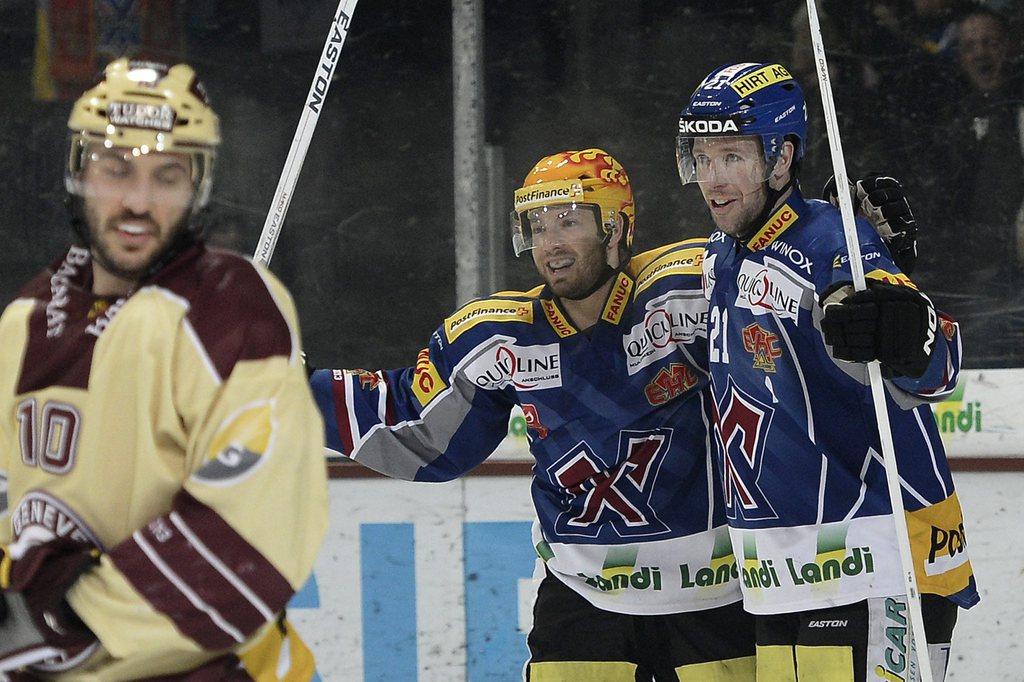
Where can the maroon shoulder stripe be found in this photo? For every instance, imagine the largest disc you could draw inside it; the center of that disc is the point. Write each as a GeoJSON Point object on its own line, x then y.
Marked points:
{"type": "Point", "coordinates": [230, 307]}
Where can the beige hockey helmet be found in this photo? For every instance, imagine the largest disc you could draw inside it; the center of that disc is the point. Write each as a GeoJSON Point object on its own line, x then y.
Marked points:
{"type": "Point", "coordinates": [147, 107]}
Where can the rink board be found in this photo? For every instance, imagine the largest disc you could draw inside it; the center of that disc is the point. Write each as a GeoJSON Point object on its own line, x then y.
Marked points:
{"type": "Point", "coordinates": [423, 582]}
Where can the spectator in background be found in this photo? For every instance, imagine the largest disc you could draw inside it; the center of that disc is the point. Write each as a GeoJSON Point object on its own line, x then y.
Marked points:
{"type": "Point", "coordinates": [980, 286]}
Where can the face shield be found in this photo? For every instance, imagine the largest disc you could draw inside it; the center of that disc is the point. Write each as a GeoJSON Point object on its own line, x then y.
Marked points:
{"type": "Point", "coordinates": [734, 160]}
{"type": "Point", "coordinates": [570, 224]}
{"type": "Point", "coordinates": [144, 180]}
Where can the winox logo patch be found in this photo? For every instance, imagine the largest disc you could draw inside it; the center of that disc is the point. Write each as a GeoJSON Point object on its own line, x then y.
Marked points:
{"type": "Point", "coordinates": [669, 321]}
{"type": "Point", "coordinates": [765, 291]}
{"type": "Point", "coordinates": [525, 368]}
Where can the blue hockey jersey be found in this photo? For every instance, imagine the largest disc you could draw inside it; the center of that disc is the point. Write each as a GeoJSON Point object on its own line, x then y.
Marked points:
{"type": "Point", "coordinates": [804, 483]}
{"type": "Point", "coordinates": [629, 513]}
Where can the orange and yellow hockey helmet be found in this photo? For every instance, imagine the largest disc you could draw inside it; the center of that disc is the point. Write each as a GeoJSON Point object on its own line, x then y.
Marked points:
{"type": "Point", "coordinates": [590, 177]}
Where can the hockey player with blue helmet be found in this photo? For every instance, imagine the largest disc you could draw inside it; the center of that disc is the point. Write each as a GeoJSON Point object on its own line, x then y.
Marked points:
{"type": "Point", "coordinates": [803, 480]}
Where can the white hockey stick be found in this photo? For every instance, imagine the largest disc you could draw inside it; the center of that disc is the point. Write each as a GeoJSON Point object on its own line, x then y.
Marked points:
{"type": "Point", "coordinates": [304, 132]}
{"type": "Point", "coordinates": [874, 371]}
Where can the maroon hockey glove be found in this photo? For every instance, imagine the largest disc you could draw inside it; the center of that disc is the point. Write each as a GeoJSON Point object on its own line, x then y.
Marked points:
{"type": "Point", "coordinates": [881, 200]}
{"type": "Point", "coordinates": [892, 324]}
{"type": "Point", "coordinates": [42, 577]}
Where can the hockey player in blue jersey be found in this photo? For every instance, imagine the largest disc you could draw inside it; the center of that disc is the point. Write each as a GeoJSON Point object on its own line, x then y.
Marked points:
{"type": "Point", "coordinates": [607, 361]}
{"type": "Point", "coordinates": [803, 480]}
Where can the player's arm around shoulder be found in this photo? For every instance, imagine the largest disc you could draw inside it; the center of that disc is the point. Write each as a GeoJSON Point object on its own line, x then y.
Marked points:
{"type": "Point", "coordinates": [892, 321]}
{"type": "Point", "coordinates": [428, 421]}
{"type": "Point", "coordinates": [242, 532]}
{"type": "Point", "coordinates": [672, 267]}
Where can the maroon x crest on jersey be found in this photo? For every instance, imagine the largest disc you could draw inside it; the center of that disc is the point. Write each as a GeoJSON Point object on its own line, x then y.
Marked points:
{"type": "Point", "coordinates": [619, 497]}
{"type": "Point", "coordinates": [741, 429]}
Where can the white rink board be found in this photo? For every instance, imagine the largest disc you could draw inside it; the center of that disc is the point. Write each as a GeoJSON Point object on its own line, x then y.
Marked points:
{"type": "Point", "coordinates": [441, 519]}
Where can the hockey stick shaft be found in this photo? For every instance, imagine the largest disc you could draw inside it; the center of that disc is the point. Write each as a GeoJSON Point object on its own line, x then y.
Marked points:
{"type": "Point", "coordinates": [874, 371]}
{"type": "Point", "coordinates": [315, 101]}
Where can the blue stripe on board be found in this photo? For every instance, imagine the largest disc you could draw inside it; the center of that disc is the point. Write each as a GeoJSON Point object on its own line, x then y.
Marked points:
{"type": "Point", "coordinates": [308, 597]}
{"type": "Point", "coordinates": [497, 555]}
{"type": "Point", "coordinates": [388, 567]}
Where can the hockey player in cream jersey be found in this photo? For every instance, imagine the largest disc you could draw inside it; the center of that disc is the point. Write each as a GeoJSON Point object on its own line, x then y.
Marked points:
{"type": "Point", "coordinates": [165, 490]}
{"type": "Point", "coordinates": [803, 480]}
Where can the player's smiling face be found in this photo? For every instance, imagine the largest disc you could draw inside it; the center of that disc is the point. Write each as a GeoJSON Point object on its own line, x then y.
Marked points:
{"type": "Point", "coordinates": [731, 173]}
{"type": "Point", "coordinates": [134, 206]}
{"type": "Point", "coordinates": [567, 248]}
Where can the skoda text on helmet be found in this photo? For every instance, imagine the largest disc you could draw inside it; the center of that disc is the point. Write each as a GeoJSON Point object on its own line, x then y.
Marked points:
{"type": "Point", "coordinates": [142, 108]}
{"type": "Point", "coordinates": [748, 99]}
{"type": "Point", "coordinates": [586, 180]}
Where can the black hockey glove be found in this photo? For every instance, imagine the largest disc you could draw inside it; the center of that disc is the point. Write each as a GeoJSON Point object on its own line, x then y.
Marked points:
{"type": "Point", "coordinates": [881, 199]}
{"type": "Point", "coordinates": [39, 580]}
{"type": "Point", "coordinates": [892, 324]}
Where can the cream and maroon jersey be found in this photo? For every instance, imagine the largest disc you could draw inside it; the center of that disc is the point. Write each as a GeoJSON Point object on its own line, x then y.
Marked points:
{"type": "Point", "coordinates": [173, 429]}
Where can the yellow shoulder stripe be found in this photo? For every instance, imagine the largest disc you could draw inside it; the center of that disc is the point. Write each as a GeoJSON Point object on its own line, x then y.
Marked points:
{"type": "Point", "coordinates": [640, 261]}
{"type": "Point", "coordinates": [487, 310]}
{"type": "Point", "coordinates": [677, 262]}
{"type": "Point", "coordinates": [532, 293]}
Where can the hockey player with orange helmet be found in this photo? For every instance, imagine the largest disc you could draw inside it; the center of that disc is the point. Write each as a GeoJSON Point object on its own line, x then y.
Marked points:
{"type": "Point", "coordinates": [638, 583]}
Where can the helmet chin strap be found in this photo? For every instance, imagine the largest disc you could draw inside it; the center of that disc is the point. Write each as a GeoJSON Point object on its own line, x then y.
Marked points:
{"type": "Point", "coordinates": [772, 197]}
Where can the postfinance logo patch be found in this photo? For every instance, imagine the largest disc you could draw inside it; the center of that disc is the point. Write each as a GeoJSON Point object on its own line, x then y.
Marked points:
{"type": "Point", "coordinates": [240, 446]}
{"type": "Point", "coordinates": [939, 545]}
{"type": "Point", "coordinates": [486, 311]}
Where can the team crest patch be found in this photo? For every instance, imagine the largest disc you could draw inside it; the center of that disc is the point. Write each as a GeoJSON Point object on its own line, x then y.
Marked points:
{"type": "Point", "coordinates": [763, 345]}
{"type": "Point", "coordinates": [41, 517]}
{"type": "Point", "coordinates": [241, 445]}
{"type": "Point", "coordinates": [670, 382]}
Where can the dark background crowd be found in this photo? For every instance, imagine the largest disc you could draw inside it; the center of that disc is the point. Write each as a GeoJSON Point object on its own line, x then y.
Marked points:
{"type": "Point", "coordinates": [926, 90]}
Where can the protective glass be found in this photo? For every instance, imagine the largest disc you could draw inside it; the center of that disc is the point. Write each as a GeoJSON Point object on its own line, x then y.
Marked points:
{"type": "Point", "coordinates": [149, 178]}
{"type": "Point", "coordinates": [571, 224]}
{"type": "Point", "coordinates": [721, 160]}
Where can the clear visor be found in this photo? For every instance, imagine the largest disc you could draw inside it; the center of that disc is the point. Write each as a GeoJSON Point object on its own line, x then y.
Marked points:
{"type": "Point", "coordinates": [721, 160]}
{"type": "Point", "coordinates": [570, 224]}
{"type": "Point", "coordinates": [139, 179]}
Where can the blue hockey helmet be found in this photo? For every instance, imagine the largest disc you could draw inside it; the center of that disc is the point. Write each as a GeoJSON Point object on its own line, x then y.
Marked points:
{"type": "Point", "coordinates": [742, 100]}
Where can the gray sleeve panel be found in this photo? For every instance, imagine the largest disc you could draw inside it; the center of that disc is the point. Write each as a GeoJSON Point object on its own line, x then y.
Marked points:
{"type": "Point", "coordinates": [402, 450]}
